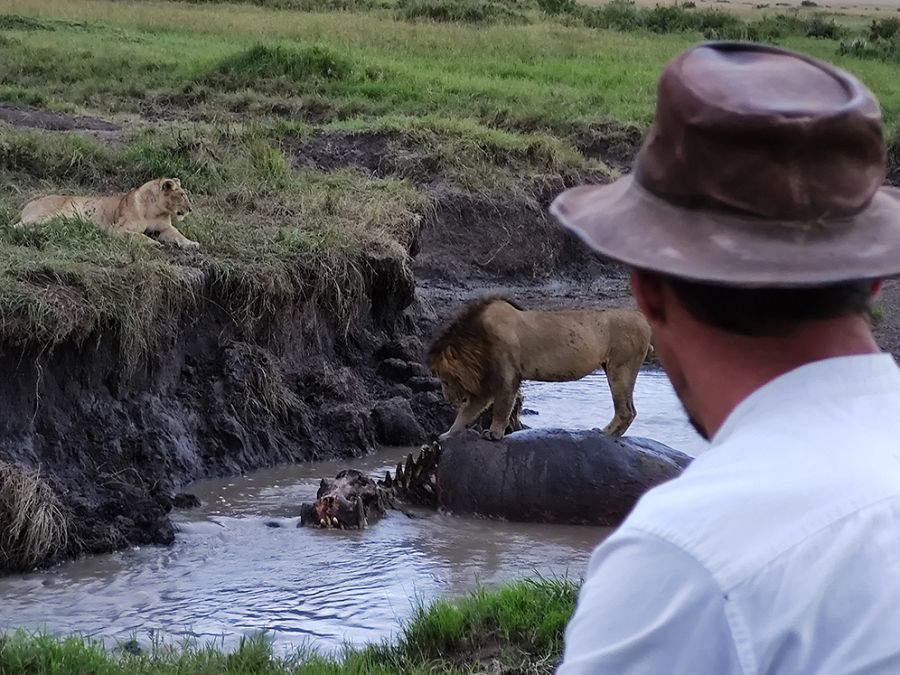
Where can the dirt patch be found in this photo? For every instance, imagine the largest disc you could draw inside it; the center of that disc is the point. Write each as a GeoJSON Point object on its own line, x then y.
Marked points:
{"type": "Point", "coordinates": [483, 239]}
{"type": "Point", "coordinates": [475, 235]}
{"type": "Point", "coordinates": [39, 118]}
{"type": "Point", "coordinates": [614, 144]}
{"type": "Point", "coordinates": [379, 153]}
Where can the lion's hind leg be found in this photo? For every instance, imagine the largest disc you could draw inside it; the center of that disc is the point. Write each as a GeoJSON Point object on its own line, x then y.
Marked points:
{"type": "Point", "coordinates": [622, 378]}
{"type": "Point", "coordinates": [33, 214]}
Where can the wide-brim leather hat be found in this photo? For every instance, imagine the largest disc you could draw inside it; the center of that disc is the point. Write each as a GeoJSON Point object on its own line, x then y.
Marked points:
{"type": "Point", "coordinates": [763, 167]}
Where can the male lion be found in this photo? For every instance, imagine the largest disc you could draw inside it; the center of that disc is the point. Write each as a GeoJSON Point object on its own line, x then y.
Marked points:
{"type": "Point", "coordinates": [149, 208]}
{"type": "Point", "coordinates": [483, 356]}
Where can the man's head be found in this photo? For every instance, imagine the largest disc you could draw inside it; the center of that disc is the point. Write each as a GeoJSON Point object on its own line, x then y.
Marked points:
{"type": "Point", "coordinates": [756, 215]}
{"type": "Point", "coordinates": [718, 329]}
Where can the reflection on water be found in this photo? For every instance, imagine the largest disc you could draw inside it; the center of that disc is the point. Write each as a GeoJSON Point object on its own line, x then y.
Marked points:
{"type": "Point", "coordinates": [229, 574]}
{"type": "Point", "coordinates": [587, 404]}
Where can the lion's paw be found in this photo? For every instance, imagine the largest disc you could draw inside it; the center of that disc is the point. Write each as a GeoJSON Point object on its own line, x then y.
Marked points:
{"type": "Point", "coordinates": [491, 435]}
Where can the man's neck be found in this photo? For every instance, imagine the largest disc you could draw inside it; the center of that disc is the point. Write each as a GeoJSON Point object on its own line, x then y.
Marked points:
{"type": "Point", "coordinates": [728, 368]}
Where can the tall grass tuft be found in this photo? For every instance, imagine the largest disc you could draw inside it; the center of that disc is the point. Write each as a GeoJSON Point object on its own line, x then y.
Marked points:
{"type": "Point", "coordinates": [34, 526]}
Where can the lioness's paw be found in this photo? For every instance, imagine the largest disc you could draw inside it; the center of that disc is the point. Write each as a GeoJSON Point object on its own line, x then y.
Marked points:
{"type": "Point", "coordinates": [193, 245]}
{"type": "Point", "coordinates": [490, 435]}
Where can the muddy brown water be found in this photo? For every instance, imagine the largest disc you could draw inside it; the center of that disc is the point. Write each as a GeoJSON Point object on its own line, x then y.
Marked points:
{"type": "Point", "coordinates": [230, 574]}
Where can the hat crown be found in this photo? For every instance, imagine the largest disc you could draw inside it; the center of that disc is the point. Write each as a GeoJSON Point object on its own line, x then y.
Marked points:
{"type": "Point", "coordinates": [765, 132]}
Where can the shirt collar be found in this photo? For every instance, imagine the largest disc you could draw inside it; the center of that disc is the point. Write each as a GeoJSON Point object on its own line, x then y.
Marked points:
{"type": "Point", "coordinates": [839, 376]}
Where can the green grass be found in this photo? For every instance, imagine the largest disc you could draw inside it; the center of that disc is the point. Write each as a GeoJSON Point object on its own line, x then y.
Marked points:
{"type": "Point", "coordinates": [545, 71]}
{"type": "Point", "coordinates": [502, 105]}
{"type": "Point", "coordinates": [516, 628]}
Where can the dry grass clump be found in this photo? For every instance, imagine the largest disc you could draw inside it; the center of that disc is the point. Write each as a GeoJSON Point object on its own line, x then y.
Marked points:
{"type": "Point", "coordinates": [34, 526]}
{"type": "Point", "coordinates": [256, 373]}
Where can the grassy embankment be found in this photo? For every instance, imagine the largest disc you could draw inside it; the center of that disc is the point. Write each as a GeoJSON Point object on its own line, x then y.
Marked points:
{"type": "Point", "coordinates": [514, 629]}
{"type": "Point", "coordinates": [496, 97]}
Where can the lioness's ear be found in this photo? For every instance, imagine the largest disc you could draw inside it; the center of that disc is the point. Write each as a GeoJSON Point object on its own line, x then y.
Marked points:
{"type": "Point", "coordinates": [168, 185]}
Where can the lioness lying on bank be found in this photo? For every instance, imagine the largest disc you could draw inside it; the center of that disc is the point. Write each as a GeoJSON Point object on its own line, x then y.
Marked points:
{"type": "Point", "coordinates": [149, 208]}
{"type": "Point", "coordinates": [483, 356]}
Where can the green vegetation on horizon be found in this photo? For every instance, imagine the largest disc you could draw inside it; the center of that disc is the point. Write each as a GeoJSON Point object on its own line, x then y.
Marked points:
{"type": "Point", "coordinates": [553, 71]}
{"type": "Point", "coordinates": [516, 628]}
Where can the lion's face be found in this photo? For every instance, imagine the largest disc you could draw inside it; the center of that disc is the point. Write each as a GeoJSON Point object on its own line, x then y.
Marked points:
{"type": "Point", "coordinates": [175, 198]}
{"type": "Point", "coordinates": [453, 392]}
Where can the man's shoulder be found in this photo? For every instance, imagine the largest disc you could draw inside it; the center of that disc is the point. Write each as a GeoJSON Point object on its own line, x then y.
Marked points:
{"type": "Point", "coordinates": [765, 489]}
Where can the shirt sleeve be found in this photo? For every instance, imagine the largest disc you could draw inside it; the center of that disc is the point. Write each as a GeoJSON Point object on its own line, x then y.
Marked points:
{"type": "Point", "coordinates": [647, 607]}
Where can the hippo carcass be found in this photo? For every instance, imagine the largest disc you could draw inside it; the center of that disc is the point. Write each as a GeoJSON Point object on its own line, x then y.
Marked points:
{"type": "Point", "coordinates": [539, 475]}
{"type": "Point", "coordinates": [552, 475]}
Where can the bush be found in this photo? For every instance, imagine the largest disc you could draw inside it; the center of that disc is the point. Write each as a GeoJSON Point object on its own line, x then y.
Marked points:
{"type": "Point", "coordinates": [64, 159]}
{"type": "Point", "coordinates": [164, 155]}
{"type": "Point", "coordinates": [261, 62]}
{"type": "Point", "coordinates": [460, 11]}
{"type": "Point", "coordinates": [818, 27]}
{"type": "Point", "coordinates": [554, 7]}
{"type": "Point", "coordinates": [879, 50]}
{"type": "Point", "coordinates": [16, 22]}
{"type": "Point", "coordinates": [616, 15]}
{"type": "Point", "coordinates": [624, 15]}
{"type": "Point", "coordinates": [884, 29]}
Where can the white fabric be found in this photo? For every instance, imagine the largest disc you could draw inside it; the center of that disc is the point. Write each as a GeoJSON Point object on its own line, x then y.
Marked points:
{"type": "Point", "coordinates": [776, 552]}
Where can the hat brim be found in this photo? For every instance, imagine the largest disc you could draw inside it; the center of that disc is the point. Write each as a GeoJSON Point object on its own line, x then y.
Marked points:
{"type": "Point", "coordinates": [626, 223]}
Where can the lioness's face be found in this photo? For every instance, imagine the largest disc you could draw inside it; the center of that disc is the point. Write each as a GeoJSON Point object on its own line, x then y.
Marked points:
{"type": "Point", "coordinates": [453, 392]}
{"type": "Point", "coordinates": [175, 198]}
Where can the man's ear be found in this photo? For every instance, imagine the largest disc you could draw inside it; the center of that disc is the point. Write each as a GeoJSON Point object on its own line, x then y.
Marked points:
{"type": "Point", "coordinates": [650, 295]}
{"type": "Point", "coordinates": [875, 288]}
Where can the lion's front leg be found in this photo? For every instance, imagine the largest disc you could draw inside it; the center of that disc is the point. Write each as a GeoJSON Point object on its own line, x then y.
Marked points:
{"type": "Point", "coordinates": [466, 415]}
{"type": "Point", "coordinates": [170, 235]}
{"type": "Point", "coordinates": [140, 237]}
{"type": "Point", "coordinates": [133, 229]}
{"type": "Point", "coordinates": [503, 407]}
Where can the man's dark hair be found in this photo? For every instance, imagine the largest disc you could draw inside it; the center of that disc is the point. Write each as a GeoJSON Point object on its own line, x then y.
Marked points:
{"type": "Point", "coordinates": [769, 312]}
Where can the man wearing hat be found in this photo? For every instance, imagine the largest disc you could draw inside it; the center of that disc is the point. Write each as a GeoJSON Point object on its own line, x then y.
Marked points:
{"type": "Point", "coordinates": [757, 230]}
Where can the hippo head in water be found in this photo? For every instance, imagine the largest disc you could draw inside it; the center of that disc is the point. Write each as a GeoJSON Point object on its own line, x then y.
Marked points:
{"type": "Point", "coordinates": [344, 502]}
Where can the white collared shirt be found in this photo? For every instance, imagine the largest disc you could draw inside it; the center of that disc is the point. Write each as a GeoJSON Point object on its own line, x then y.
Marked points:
{"type": "Point", "coordinates": [776, 552]}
